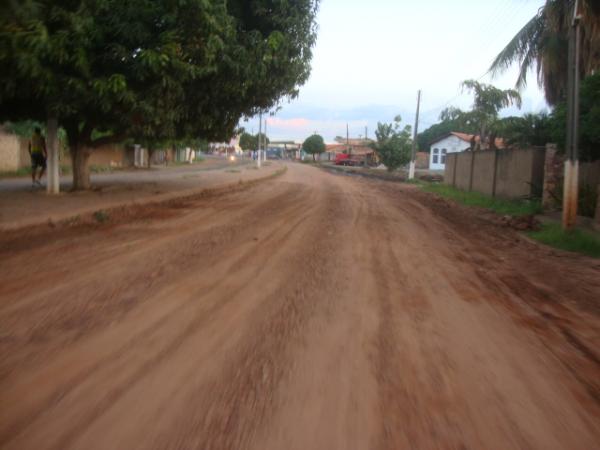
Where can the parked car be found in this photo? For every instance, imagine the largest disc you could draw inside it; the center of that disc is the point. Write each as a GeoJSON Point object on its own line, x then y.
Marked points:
{"type": "Point", "coordinates": [343, 159]}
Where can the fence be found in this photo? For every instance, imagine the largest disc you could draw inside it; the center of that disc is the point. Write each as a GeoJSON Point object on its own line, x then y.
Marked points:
{"type": "Point", "coordinates": [503, 173]}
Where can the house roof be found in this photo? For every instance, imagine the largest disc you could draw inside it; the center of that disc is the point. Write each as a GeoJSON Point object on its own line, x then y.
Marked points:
{"type": "Point", "coordinates": [468, 137]}
{"type": "Point", "coordinates": [355, 149]}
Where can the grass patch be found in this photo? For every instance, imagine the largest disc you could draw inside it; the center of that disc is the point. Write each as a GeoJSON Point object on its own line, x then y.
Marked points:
{"type": "Point", "coordinates": [197, 160]}
{"type": "Point", "coordinates": [578, 241]}
{"type": "Point", "coordinates": [233, 171]}
{"type": "Point", "coordinates": [512, 207]}
{"type": "Point", "coordinates": [22, 172]}
{"type": "Point", "coordinates": [101, 216]}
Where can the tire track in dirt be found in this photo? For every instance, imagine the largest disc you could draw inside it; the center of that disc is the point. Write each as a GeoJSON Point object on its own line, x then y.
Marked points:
{"type": "Point", "coordinates": [149, 330]}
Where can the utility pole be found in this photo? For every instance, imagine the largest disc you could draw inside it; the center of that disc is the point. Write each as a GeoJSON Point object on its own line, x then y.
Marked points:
{"type": "Point", "coordinates": [259, 134]}
{"type": "Point", "coordinates": [571, 182]}
{"type": "Point", "coordinates": [366, 133]}
{"type": "Point", "coordinates": [266, 144]}
{"type": "Point", "coordinates": [348, 139]}
{"type": "Point", "coordinates": [411, 168]}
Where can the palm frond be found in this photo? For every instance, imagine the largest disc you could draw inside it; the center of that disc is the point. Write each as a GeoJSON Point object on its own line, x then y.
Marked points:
{"type": "Point", "coordinates": [522, 47]}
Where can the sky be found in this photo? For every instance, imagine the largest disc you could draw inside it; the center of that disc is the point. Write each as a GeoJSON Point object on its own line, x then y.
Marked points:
{"type": "Point", "coordinates": [371, 58]}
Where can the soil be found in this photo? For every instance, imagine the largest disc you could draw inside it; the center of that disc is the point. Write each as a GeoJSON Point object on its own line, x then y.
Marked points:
{"type": "Point", "coordinates": [310, 311]}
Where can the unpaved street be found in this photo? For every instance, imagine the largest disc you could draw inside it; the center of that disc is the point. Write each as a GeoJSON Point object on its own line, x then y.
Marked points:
{"type": "Point", "coordinates": [310, 311]}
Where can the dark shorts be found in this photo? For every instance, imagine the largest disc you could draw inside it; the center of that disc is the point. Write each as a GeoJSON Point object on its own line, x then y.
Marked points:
{"type": "Point", "coordinates": [37, 160]}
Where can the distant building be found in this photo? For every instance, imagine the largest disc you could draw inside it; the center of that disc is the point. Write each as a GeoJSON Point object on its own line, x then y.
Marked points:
{"type": "Point", "coordinates": [231, 147]}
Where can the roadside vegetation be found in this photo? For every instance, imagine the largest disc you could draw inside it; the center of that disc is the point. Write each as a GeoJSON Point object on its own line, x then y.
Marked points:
{"type": "Point", "coordinates": [552, 234]}
{"type": "Point", "coordinates": [393, 144]}
{"type": "Point", "coordinates": [512, 207]}
{"type": "Point", "coordinates": [576, 240]}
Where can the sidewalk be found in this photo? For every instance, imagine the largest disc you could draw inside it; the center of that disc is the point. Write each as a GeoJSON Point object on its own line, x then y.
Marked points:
{"type": "Point", "coordinates": [20, 205]}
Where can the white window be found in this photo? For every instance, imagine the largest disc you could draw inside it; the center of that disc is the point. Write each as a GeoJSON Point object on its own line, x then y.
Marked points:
{"type": "Point", "coordinates": [436, 152]}
{"type": "Point", "coordinates": [443, 157]}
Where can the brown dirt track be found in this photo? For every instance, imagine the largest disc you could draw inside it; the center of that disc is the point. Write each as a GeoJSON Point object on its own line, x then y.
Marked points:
{"type": "Point", "coordinates": [311, 311]}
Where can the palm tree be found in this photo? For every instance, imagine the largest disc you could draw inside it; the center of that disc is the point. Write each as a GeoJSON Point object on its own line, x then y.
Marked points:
{"type": "Point", "coordinates": [488, 101]}
{"type": "Point", "coordinates": [543, 43]}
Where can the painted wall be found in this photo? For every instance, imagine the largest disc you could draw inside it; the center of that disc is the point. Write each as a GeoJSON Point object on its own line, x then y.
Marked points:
{"type": "Point", "coordinates": [452, 144]}
{"type": "Point", "coordinates": [13, 152]}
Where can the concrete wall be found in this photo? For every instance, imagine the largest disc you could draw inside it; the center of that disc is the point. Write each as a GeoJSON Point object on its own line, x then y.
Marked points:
{"type": "Point", "coordinates": [483, 172]}
{"type": "Point", "coordinates": [463, 170]}
{"type": "Point", "coordinates": [113, 155]}
{"type": "Point", "coordinates": [422, 160]}
{"type": "Point", "coordinates": [503, 173]}
{"type": "Point", "coordinates": [13, 152]}
{"type": "Point", "coordinates": [589, 173]}
{"type": "Point", "coordinates": [450, 169]}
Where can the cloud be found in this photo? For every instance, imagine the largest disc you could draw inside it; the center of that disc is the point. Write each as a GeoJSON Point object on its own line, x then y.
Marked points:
{"type": "Point", "coordinates": [289, 124]}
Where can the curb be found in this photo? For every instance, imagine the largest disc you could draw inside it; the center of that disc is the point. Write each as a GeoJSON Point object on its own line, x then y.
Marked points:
{"type": "Point", "coordinates": [158, 199]}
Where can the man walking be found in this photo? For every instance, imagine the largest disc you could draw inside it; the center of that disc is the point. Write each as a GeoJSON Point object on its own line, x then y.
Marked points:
{"type": "Point", "coordinates": [38, 153]}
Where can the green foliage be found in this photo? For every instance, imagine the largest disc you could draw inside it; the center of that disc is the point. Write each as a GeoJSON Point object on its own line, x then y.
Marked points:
{"type": "Point", "coordinates": [23, 128]}
{"type": "Point", "coordinates": [488, 101]}
{"type": "Point", "coordinates": [543, 43]}
{"type": "Point", "coordinates": [499, 205]}
{"type": "Point", "coordinates": [151, 69]}
{"type": "Point", "coordinates": [314, 145]}
{"type": "Point", "coordinates": [481, 120]}
{"type": "Point", "coordinates": [101, 216]}
{"type": "Point", "coordinates": [393, 144]}
{"type": "Point", "coordinates": [589, 120]}
{"type": "Point", "coordinates": [451, 120]}
{"type": "Point", "coordinates": [579, 241]}
{"type": "Point", "coordinates": [529, 130]}
{"type": "Point", "coordinates": [248, 141]}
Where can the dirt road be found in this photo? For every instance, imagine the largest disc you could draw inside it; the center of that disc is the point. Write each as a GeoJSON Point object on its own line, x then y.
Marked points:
{"type": "Point", "coordinates": [311, 311]}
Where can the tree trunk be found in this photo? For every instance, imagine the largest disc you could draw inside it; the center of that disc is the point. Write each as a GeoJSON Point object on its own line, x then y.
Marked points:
{"type": "Point", "coordinates": [150, 154]}
{"type": "Point", "coordinates": [81, 171]}
{"type": "Point", "coordinates": [52, 174]}
{"type": "Point", "coordinates": [314, 157]}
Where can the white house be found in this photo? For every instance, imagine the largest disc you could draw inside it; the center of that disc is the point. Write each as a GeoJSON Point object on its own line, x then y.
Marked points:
{"type": "Point", "coordinates": [451, 143]}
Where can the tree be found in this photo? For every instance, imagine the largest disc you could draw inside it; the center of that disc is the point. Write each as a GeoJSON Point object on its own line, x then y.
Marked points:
{"type": "Point", "coordinates": [451, 119]}
{"type": "Point", "coordinates": [314, 145]}
{"type": "Point", "coordinates": [531, 129]}
{"type": "Point", "coordinates": [393, 143]}
{"type": "Point", "coordinates": [543, 43]}
{"type": "Point", "coordinates": [589, 120]}
{"type": "Point", "coordinates": [488, 101]}
{"type": "Point", "coordinates": [150, 69]}
{"type": "Point", "coordinates": [248, 142]}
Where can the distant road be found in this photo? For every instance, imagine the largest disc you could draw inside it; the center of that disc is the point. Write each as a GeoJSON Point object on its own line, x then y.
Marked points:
{"type": "Point", "coordinates": [156, 173]}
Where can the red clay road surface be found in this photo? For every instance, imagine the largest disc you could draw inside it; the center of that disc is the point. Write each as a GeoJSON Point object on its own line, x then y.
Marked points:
{"type": "Point", "coordinates": [310, 311]}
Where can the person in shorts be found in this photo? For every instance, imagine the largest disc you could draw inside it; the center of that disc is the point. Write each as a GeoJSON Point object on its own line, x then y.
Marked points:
{"type": "Point", "coordinates": [37, 151]}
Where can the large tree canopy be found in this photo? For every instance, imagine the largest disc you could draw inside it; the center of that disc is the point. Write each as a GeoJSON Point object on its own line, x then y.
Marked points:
{"type": "Point", "coordinates": [150, 69]}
